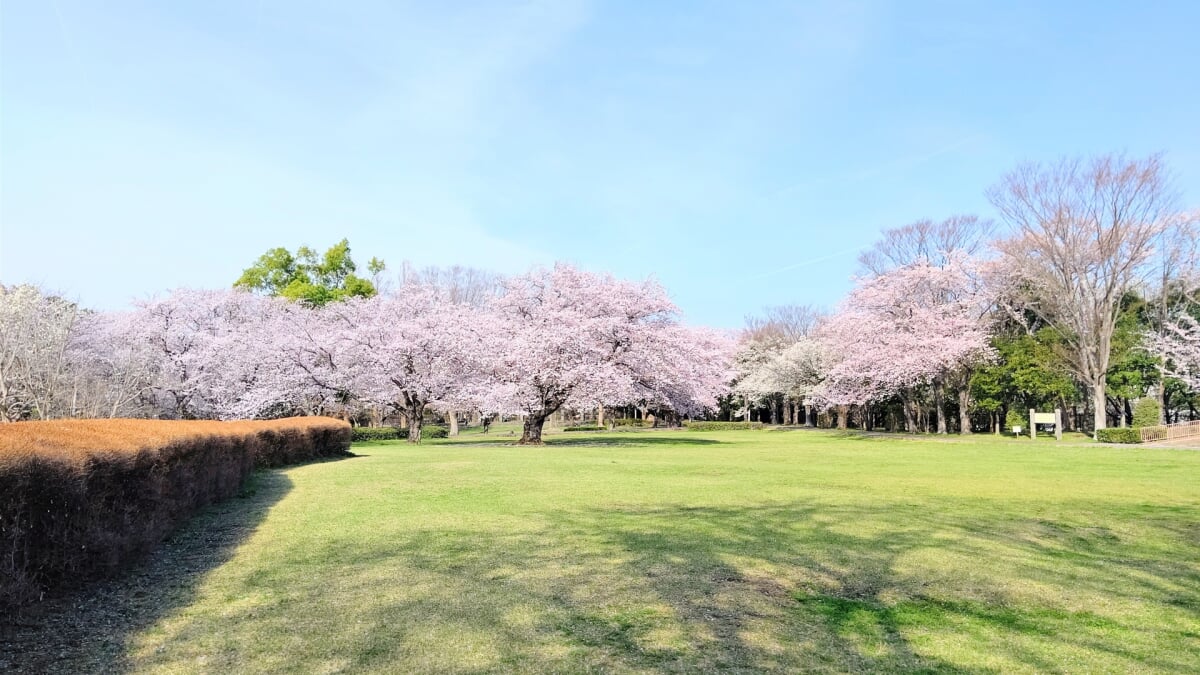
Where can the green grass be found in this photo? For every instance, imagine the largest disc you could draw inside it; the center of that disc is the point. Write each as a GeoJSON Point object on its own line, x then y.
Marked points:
{"type": "Point", "coordinates": [685, 552]}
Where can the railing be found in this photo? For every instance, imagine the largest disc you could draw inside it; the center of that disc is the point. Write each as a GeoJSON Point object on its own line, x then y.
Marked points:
{"type": "Point", "coordinates": [1171, 432]}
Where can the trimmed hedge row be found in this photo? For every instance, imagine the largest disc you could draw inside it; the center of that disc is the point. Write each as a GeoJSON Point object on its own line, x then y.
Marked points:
{"type": "Point", "coordinates": [434, 431]}
{"type": "Point", "coordinates": [702, 425]}
{"type": "Point", "coordinates": [1119, 435]}
{"type": "Point", "coordinates": [79, 499]}
{"type": "Point", "coordinates": [377, 434]}
{"type": "Point", "coordinates": [360, 434]}
{"type": "Point", "coordinates": [585, 427]}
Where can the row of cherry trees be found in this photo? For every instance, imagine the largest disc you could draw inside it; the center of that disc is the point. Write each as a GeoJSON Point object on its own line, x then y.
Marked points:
{"type": "Point", "coordinates": [547, 340]}
{"type": "Point", "coordinates": [900, 334]}
{"type": "Point", "coordinates": [1092, 288]}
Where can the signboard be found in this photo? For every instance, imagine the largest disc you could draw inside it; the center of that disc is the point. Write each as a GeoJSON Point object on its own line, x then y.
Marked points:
{"type": "Point", "coordinates": [1036, 418]}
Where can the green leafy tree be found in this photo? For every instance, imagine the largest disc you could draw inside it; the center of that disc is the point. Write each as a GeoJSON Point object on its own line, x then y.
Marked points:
{"type": "Point", "coordinates": [309, 277]}
{"type": "Point", "coordinates": [1146, 413]}
{"type": "Point", "coordinates": [1028, 374]}
{"type": "Point", "coordinates": [1133, 370]}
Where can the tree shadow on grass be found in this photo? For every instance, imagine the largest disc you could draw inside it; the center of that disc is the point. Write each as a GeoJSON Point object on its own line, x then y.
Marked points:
{"type": "Point", "coordinates": [752, 586]}
{"type": "Point", "coordinates": [785, 587]}
{"type": "Point", "coordinates": [86, 631]}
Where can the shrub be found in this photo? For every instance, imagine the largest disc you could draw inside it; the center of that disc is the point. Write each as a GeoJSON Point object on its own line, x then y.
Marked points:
{"type": "Point", "coordinates": [1126, 435]}
{"type": "Point", "coordinates": [81, 498]}
{"type": "Point", "coordinates": [1146, 413]}
{"type": "Point", "coordinates": [377, 434]}
{"type": "Point", "coordinates": [585, 427]}
{"type": "Point", "coordinates": [702, 425]}
{"type": "Point", "coordinates": [629, 422]}
{"type": "Point", "coordinates": [434, 431]}
{"type": "Point", "coordinates": [1016, 418]}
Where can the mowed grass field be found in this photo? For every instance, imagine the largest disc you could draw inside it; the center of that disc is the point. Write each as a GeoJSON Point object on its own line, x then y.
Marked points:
{"type": "Point", "coordinates": [679, 551]}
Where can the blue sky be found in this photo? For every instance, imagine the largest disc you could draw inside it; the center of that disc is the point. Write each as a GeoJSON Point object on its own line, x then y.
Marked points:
{"type": "Point", "coordinates": [740, 152]}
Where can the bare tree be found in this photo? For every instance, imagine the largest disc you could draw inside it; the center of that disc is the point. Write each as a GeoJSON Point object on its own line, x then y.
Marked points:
{"type": "Point", "coordinates": [35, 332]}
{"type": "Point", "coordinates": [460, 285]}
{"type": "Point", "coordinates": [929, 240]}
{"type": "Point", "coordinates": [784, 323]}
{"type": "Point", "coordinates": [1085, 233]}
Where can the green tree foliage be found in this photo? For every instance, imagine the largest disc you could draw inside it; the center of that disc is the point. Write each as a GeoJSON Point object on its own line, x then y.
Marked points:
{"type": "Point", "coordinates": [1016, 418]}
{"type": "Point", "coordinates": [1132, 370]}
{"type": "Point", "coordinates": [1146, 413]}
{"type": "Point", "coordinates": [1028, 374]}
{"type": "Point", "coordinates": [309, 277]}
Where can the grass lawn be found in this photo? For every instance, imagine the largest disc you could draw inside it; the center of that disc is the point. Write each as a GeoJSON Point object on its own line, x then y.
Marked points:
{"type": "Point", "coordinates": [686, 551]}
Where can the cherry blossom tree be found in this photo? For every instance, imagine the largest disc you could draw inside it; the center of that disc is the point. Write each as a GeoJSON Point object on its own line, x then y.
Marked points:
{"type": "Point", "coordinates": [409, 349]}
{"type": "Point", "coordinates": [796, 372]}
{"type": "Point", "coordinates": [112, 375]}
{"type": "Point", "coordinates": [210, 351]}
{"type": "Point", "coordinates": [686, 371]}
{"type": "Point", "coordinates": [1178, 346]}
{"type": "Point", "coordinates": [565, 337]}
{"type": "Point", "coordinates": [913, 325]}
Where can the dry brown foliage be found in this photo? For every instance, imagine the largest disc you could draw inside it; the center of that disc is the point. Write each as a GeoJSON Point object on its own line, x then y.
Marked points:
{"type": "Point", "coordinates": [81, 498]}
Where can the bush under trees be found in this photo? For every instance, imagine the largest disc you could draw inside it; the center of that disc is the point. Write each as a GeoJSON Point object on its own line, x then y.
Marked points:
{"type": "Point", "coordinates": [1119, 435]}
{"type": "Point", "coordinates": [1146, 413]}
{"type": "Point", "coordinates": [701, 425]}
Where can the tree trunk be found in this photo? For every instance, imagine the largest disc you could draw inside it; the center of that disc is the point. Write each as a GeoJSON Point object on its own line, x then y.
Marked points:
{"type": "Point", "coordinates": [452, 418]}
{"type": "Point", "coordinates": [600, 416]}
{"type": "Point", "coordinates": [939, 404]}
{"type": "Point", "coordinates": [843, 413]}
{"type": "Point", "coordinates": [1099, 405]}
{"type": "Point", "coordinates": [910, 423]}
{"type": "Point", "coordinates": [415, 416]}
{"type": "Point", "coordinates": [964, 410]}
{"type": "Point", "coordinates": [531, 434]}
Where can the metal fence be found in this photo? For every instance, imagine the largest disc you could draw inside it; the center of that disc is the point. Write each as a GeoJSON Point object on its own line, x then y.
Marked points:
{"type": "Point", "coordinates": [1170, 432]}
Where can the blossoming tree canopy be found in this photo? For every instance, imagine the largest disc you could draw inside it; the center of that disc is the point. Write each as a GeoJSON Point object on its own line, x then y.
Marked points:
{"type": "Point", "coordinates": [914, 324]}
{"type": "Point", "coordinates": [566, 337]}
{"type": "Point", "coordinates": [407, 350]}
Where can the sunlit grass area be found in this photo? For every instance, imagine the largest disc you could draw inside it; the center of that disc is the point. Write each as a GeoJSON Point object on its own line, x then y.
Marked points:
{"type": "Point", "coordinates": [684, 551]}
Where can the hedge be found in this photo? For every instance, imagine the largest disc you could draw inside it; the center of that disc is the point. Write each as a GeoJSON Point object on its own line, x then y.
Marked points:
{"type": "Point", "coordinates": [585, 427]}
{"type": "Point", "coordinates": [434, 431]}
{"type": "Point", "coordinates": [80, 499]}
{"type": "Point", "coordinates": [629, 422]}
{"type": "Point", "coordinates": [701, 425]}
{"type": "Point", "coordinates": [361, 434]}
{"type": "Point", "coordinates": [1119, 435]}
{"type": "Point", "coordinates": [378, 434]}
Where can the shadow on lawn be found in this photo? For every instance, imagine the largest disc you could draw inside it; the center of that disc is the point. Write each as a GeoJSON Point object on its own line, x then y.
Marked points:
{"type": "Point", "coordinates": [773, 588]}
{"type": "Point", "coordinates": [749, 584]}
{"type": "Point", "coordinates": [86, 631]}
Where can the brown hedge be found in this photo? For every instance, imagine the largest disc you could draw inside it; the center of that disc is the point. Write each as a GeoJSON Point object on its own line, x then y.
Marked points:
{"type": "Point", "coordinates": [81, 498]}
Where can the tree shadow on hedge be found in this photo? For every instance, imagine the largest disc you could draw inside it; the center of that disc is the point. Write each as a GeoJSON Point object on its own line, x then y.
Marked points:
{"type": "Point", "coordinates": [87, 630]}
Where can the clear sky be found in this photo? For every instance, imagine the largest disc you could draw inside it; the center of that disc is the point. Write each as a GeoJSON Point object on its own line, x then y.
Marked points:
{"type": "Point", "coordinates": [741, 152]}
